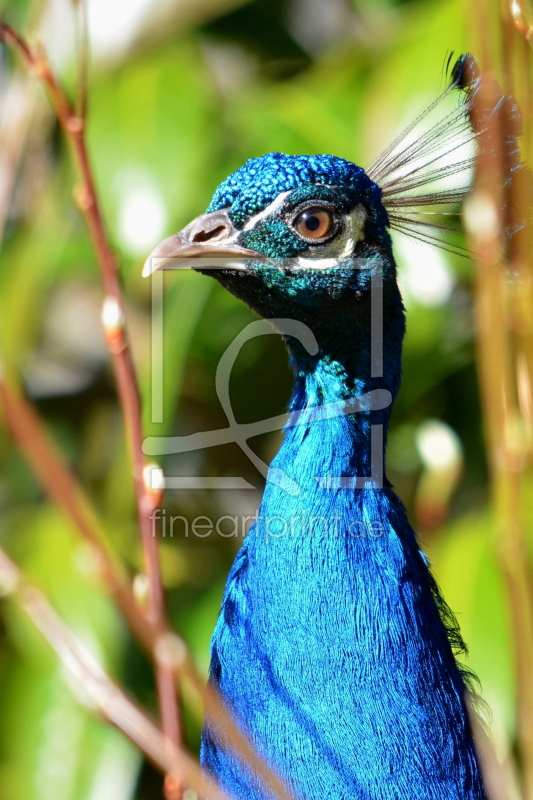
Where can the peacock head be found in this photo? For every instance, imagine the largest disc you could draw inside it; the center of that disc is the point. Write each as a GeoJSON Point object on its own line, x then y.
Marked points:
{"type": "Point", "coordinates": [295, 237]}
{"type": "Point", "coordinates": [304, 237]}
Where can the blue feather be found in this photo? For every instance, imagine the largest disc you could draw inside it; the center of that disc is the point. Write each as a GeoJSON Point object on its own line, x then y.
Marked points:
{"type": "Point", "coordinates": [334, 648]}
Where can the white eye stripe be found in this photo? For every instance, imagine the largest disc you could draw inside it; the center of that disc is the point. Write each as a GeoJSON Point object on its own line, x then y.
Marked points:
{"type": "Point", "coordinates": [358, 217]}
{"type": "Point", "coordinates": [266, 212]}
{"type": "Point", "coordinates": [355, 220]}
{"type": "Point", "coordinates": [316, 263]}
{"type": "Point", "coordinates": [341, 246]}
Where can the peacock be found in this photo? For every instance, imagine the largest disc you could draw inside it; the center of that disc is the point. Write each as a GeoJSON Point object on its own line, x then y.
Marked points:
{"type": "Point", "coordinates": [334, 648]}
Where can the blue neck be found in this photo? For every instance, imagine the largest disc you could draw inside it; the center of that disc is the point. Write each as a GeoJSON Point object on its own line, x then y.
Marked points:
{"type": "Point", "coordinates": [343, 440]}
{"type": "Point", "coordinates": [341, 444]}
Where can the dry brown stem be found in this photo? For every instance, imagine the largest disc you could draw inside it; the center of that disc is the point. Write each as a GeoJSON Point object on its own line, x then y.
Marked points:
{"type": "Point", "coordinates": [114, 327]}
{"type": "Point", "coordinates": [40, 452]}
{"type": "Point", "coordinates": [487, 218]}
{"type": "Point", "coordinates": [165, 646]}
{"type": "Point", "coordinates": [521, 19]}
{"type": "Point", "coordinates": [62, 487]}
{"type": "Point", "coordinates": [94, 688]}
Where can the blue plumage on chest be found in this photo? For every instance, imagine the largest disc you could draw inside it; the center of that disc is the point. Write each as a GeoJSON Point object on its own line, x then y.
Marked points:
{"type": "Point", "coordinates": [330, 648]}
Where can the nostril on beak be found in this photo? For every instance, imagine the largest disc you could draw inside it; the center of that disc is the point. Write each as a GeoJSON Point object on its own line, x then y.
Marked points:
{"type": "Point", "coordinates": [203, 235]}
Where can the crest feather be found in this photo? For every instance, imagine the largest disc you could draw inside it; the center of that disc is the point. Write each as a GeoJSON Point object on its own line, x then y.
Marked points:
{"type": "Point", "coordinates": [427, 171]}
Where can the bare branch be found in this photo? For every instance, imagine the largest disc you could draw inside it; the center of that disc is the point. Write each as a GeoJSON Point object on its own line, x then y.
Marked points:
{"type": "Point", "coordinates": [82, 89]}
{"type": "Point", "coordinates": [485, 222]}
{"type": "Point", "coordinates": [167, 648]}
{"type": "Point", "coordinates": [113, 319]}
{"type": "Point", "coordinates": [16, 113]}
{"type": "Point", "coordinates": [61, 486]}
{"type": "Point", "coordinates": [96, 690]}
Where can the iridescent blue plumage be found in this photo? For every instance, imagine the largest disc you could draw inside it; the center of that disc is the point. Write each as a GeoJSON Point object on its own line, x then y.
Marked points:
{"type": "Point", "coordinates": [333, 647]}
{"type": "Point", "coordinates": [261, 180]}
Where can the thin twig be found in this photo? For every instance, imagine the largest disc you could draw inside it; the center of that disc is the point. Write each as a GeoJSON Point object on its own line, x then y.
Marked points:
{"type": "Point", "coordinates": [165, 646]}
{"type": "Point", "coordinates": [219, 717]}
{"type": "Point", "coordinates": [485, 222]}
{"type": "Point", "coordinates": [59, 483]}
{"type": "Point", "coordinates": [17, 111]}
{"type": "Point", "coordinates": [82, 89]}
{"type": "Point", "coordinates": [97, 690]}
{"type": "Point", "coordinates": [172, 651]}
{"type": "Point", "coordinates": [113, 319]}
{"type": "Point", "coordinates": [520, 20]}
{"type": "Point", "coordinates": [61, 486]}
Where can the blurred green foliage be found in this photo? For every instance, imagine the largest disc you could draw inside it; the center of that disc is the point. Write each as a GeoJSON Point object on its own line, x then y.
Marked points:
{"type": "Point", "coordinates": [170, 115]}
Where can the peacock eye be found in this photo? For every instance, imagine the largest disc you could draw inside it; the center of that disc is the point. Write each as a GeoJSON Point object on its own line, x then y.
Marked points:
{"type": "Point", "coordinates": [314, 223]}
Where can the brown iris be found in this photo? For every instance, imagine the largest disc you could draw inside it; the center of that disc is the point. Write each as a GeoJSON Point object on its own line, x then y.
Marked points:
{"type": "Point", "coordinates": [314, 223]}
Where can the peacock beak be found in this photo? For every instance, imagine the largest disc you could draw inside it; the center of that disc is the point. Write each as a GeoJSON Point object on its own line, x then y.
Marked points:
{"type": "Point", "coordinates": [207, 241]}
